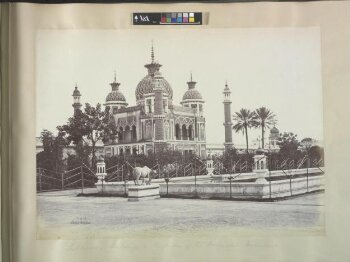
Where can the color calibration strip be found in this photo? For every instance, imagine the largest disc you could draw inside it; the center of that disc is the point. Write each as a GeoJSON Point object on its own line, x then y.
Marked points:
{"type": "Point", "coordinates": [173, 18]}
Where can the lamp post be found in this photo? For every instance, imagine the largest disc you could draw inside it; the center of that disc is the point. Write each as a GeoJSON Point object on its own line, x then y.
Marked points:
{"type": "Point", "coordinates": [167, 182]}
{"type": "Point", "coordinates": [306, 144]}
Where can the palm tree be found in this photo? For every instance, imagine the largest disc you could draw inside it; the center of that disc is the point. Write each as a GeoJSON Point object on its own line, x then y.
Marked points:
{"type": "Point", "coordinates": [245, 120]}
{"type": "Point", "coordinates": [263, 118]}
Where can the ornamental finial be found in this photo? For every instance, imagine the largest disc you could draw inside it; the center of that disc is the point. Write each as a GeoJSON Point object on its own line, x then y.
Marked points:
{"type": "Point", "coordinates": [115, 76]}
{"type": "Point", "coordinates": [152, 53]}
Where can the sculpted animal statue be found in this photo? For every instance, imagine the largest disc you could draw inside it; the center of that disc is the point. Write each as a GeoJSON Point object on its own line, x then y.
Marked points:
{"type": "Point", "coordinates": [142, 173]}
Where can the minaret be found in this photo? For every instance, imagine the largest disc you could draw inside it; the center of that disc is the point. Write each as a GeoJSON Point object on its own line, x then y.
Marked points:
{"type": "Point", "coordinates": [76, 99]}
{"type": "Point", "coordinates": [228, 124]}
{"type": "Point", "coordinates": [158, 114]}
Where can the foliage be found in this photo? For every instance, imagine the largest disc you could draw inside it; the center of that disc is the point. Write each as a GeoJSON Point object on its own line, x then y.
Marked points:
{"type": "Point", "coordinates": [232, 160]}
{"type": "Point", "coordinates": [52, 156]}
{"type": "Point", "coordinates": [152, 159]}
{"type": "Point", "coordinates": [86, 128]}
{"type": "Point", "coordinates": [264, 118]}
{"type": "Point", "coordinates": [316, 152]}
{"type": "Point", "coordinates": [289, 145]}
{"type": "Point", "coordinates": [245, 119]}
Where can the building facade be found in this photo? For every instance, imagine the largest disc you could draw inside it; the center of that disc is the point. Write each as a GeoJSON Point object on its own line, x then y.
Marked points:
{"type": "Point", "coordinates": [155, 122]}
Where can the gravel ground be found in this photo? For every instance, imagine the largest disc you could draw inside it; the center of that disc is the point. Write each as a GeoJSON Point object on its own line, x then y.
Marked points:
{"type": "Point", "coordinates": [64, 209]}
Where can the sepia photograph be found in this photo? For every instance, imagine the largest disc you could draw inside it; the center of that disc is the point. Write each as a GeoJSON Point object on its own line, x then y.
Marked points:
{"type": "Point", "coordinates": [178, 130]}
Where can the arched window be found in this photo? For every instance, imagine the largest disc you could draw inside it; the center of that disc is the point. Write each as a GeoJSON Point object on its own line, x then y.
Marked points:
{"type": "Point", "coordinates": [148, 130]}
{"type": "Point", "coordinates": [184, 132]}
{"type": "Point", "coordinates": [190, 132]}
{"type": "Point", "coordinates": [149, 106]}
{"type": "Point", "coordinates": [177, 132]}
{"type": "Point", "coordinates": [166, 131]}
{"type": "Point", "coordinates": [202, 132]}
{"type": "Point", "coordinates": [121, 151]}
{"type": "Point", "coordinates": [127, 134]}
{"type": "Point", "coordinates": [133, 133]}
{"type": "Point", "coordinates": [120, 134]}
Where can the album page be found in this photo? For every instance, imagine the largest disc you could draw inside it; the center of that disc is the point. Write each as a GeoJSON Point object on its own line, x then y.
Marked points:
{"type": "Point", "coordinates": [179, 132]}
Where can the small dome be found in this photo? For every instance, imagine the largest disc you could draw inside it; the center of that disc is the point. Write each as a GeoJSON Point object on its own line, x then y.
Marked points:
{"type": "Point", "coordinates": [76, 92]}
{"type": "Point", "coordinates": [192, 94]}
{"type": "Point", "coordinates": [145, 87]}
{"type": "Point", "coordinates": [115, 96]}
{"type": "Point", "coordinates": [274, 130]}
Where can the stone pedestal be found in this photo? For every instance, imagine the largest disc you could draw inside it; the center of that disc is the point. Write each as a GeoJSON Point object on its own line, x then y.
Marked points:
{"type": "Point", "coordinates": [261, 176]}
{"type": "Point", "coordinates": [144, 192]}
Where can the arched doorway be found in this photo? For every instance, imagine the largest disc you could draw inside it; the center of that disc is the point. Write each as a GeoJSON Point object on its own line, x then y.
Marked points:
{"type": "Point", "coordinates": [133, 133]}
{"type": "Point", "coordinates": [120, 134]}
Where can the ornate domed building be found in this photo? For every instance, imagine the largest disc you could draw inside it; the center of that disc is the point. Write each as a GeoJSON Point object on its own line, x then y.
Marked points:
{"type": "Point", "coordinates": [155, 123]}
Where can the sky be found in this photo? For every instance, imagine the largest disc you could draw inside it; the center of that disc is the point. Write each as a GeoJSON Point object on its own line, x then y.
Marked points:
{"type": "Point", "coordinates": [279, 68]}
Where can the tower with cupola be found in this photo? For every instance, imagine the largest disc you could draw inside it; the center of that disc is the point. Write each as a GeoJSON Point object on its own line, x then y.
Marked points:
{"type": "Point", "coordinates": [227, 114]}
{"type": "Point", "coordinates": [76, 99]}
{"type": "Point", "coordinates": [193, 98]}
{"type": "Point", "coordinates": [115, 99]}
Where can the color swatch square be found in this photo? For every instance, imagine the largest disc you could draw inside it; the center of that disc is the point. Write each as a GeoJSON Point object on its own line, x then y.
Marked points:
{"type": "Point", "coordinates": [179, 17]}
{"type": "Point", "coordinates": [168, 18]}
{"type": "Point", "coordinates": [163, 19]}
{"type": "Point", "coordinates": [191, 19]}
{"type": "Point", "coordinates": [185, 17]}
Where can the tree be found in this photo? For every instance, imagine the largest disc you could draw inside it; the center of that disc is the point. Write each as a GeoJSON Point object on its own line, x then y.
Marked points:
{"type": "Point", "coordinates": [263, 118]}
{"type": "Point", "coordinates": [52, 155]}
{"type": "Point", "coordinates": [245, 119]}
{"type": "Point", "coordinates": [88, 127]}
{"type": "Point", "coordinates": [96, 123]}
{"type": "Point", "coordinates": [289, 144]}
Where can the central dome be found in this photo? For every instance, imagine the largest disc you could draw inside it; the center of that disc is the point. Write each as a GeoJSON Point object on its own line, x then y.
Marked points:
{"type": "Point", "coordinates": [145, 87]}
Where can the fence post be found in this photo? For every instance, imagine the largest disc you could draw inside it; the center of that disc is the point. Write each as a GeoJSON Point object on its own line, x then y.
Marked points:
{"type": "Point", "coordinates": [290, 184]}
{"type": "Point", "coordinates": [82, 179]}
{"type": "Point", "coordinates": [269, 167]}
{"type": "Point", "coordinates": [195, 179]}
{"type": "Point", "coordinates": [158, 168]}
{"type": "Point", "coordinates": [122, 173]}
{"type": "Point", "coordinates": [62, 179]}
{"type": "Point", "coordinates": [230, 178]}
